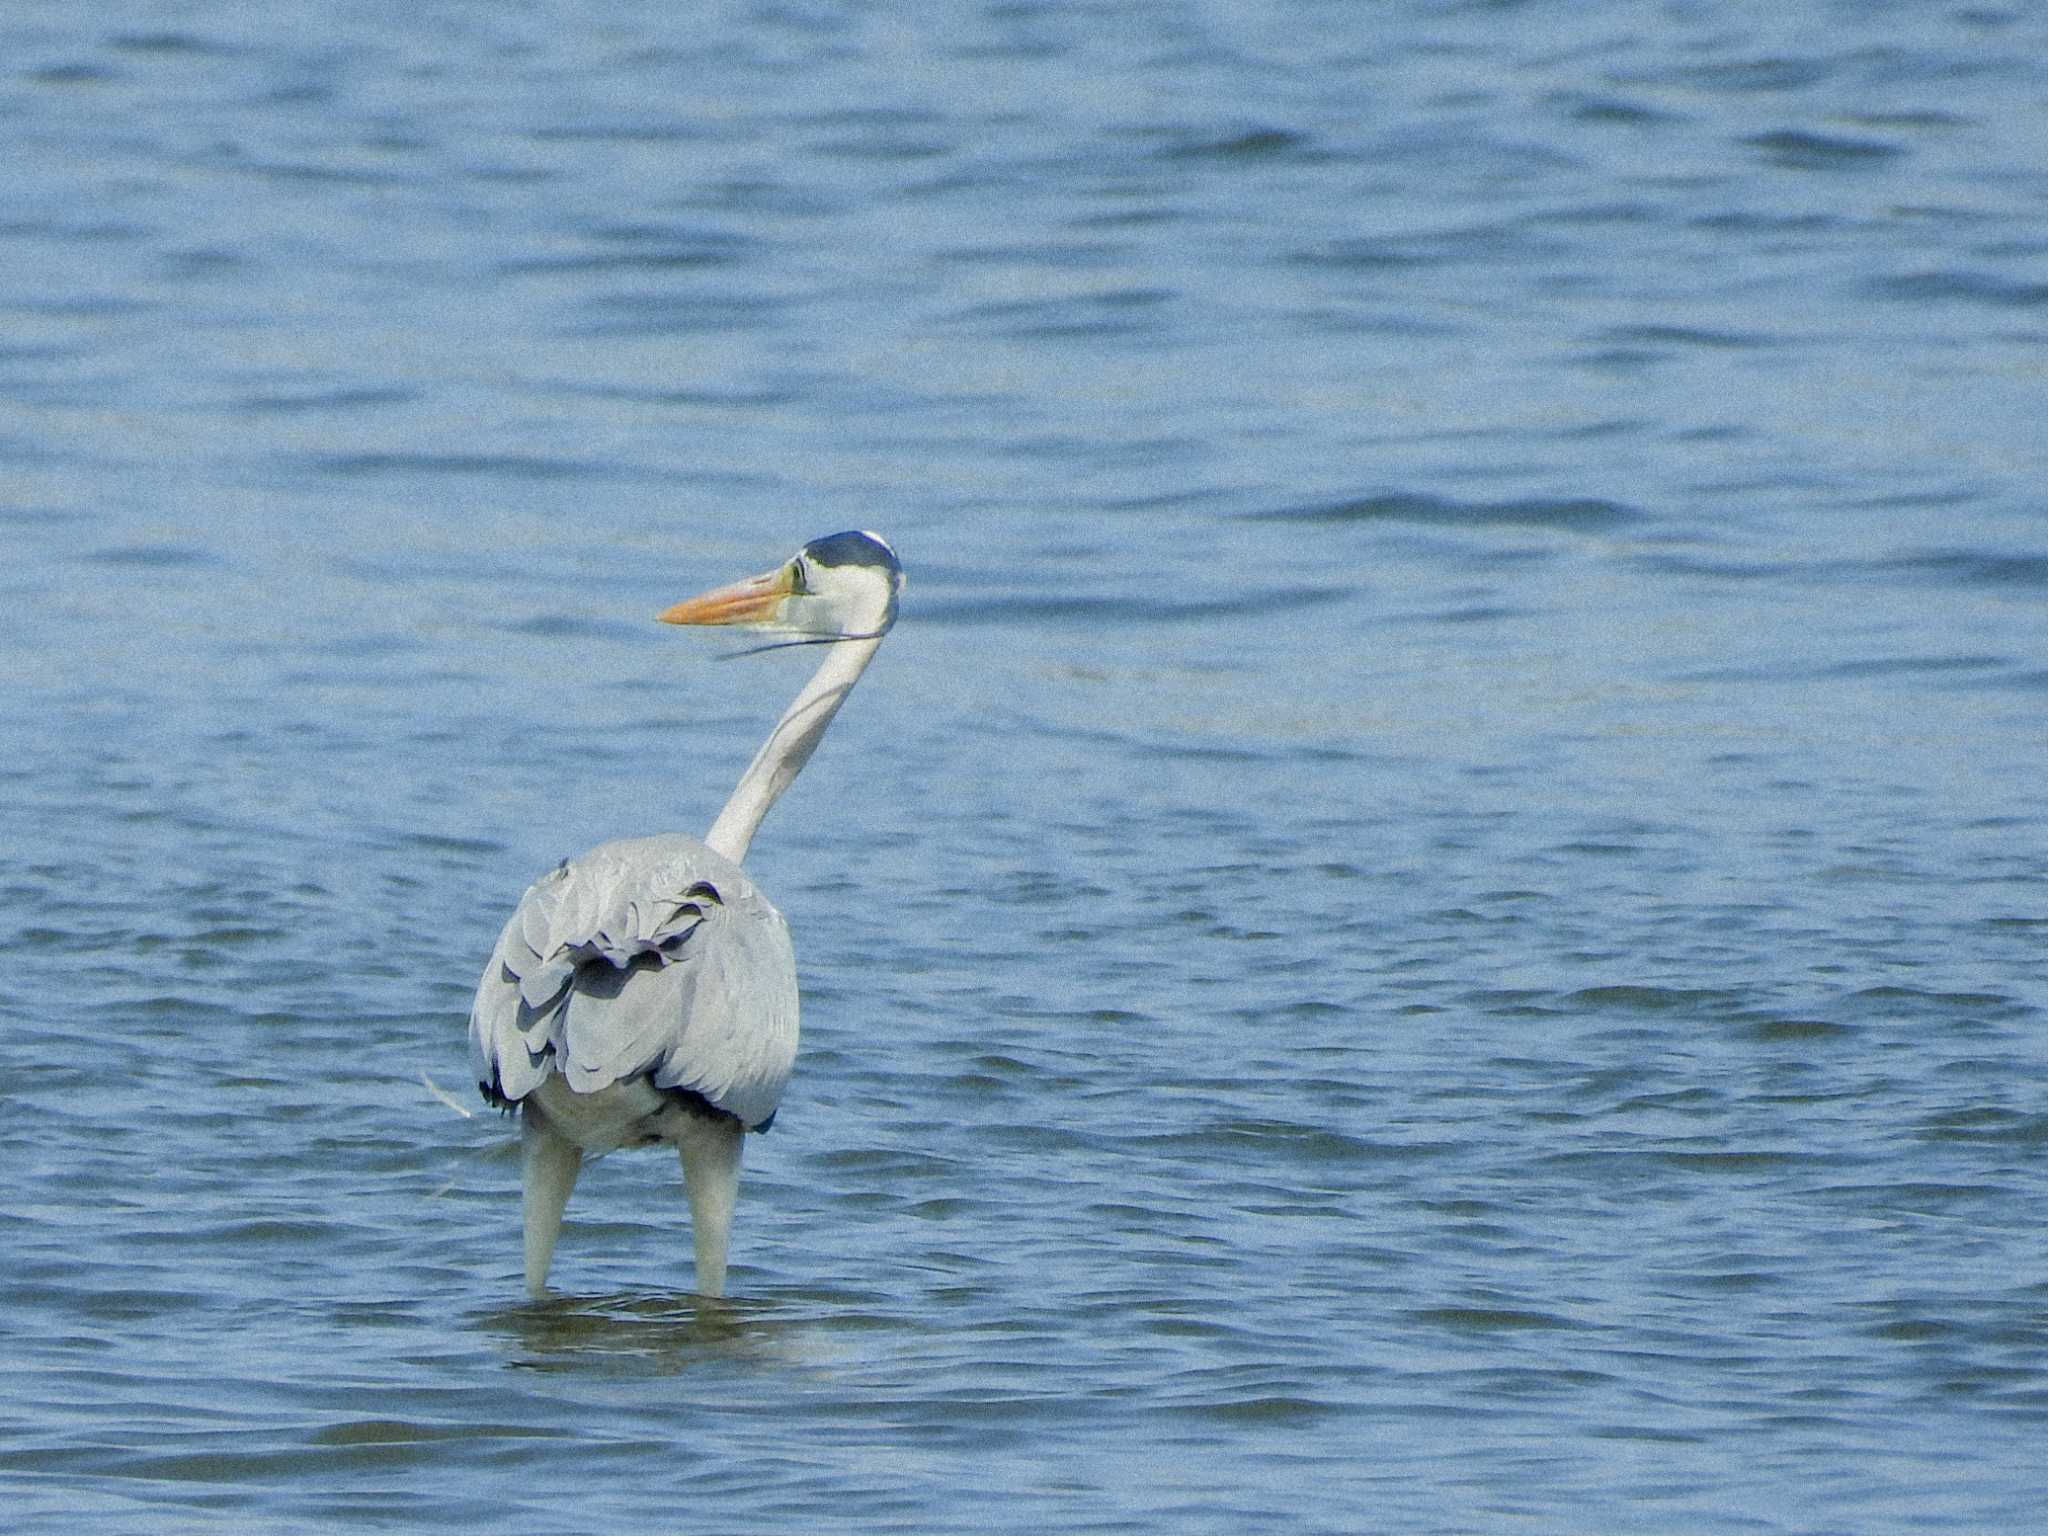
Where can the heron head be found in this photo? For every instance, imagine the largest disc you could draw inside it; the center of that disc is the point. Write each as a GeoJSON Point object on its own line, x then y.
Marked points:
{"type": "Point", "coordinates": [841, 587]}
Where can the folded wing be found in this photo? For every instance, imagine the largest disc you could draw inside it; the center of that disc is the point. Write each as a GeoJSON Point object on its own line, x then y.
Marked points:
{"type": "Point", "coordinates": [650, 957]}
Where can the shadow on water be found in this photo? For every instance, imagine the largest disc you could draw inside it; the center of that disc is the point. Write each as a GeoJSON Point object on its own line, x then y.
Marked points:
{"type": "Point", "coordinates": [664, 1332]}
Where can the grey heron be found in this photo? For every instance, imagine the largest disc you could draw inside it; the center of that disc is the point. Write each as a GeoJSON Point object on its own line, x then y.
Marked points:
{"type": "Point", "coordinates": [645, 992]}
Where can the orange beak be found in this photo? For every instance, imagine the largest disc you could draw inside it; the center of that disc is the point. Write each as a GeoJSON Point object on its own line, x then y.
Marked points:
{"type": "Point", "coordinates": [752, 601]}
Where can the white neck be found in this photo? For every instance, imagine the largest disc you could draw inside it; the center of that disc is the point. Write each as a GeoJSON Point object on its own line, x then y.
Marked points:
{"type": "Point", "coordinates": [790, 745]}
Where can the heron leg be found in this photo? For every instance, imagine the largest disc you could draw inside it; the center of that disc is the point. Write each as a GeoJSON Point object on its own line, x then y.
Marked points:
{"type": "Point", "coordinates": [710, 1148]}
{"type": "Point", "coordinates": [549, 1163]}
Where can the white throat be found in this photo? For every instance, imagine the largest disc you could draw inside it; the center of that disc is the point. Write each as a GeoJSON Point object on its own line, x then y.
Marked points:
{"type": "Point", "coordinates": [790, 745]}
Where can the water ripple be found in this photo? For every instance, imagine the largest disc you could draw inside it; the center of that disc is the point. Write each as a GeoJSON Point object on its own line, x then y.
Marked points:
{"type": "Point", "coordinates": [1569, 515]}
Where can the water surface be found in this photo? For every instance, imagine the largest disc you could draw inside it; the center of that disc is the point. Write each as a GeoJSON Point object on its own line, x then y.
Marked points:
{"type": "Point", "coordinates": [1431, 921]}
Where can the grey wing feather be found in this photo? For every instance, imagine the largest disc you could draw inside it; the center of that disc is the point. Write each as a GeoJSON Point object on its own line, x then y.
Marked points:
{"type": "Point", "coordinates": [649, 957]}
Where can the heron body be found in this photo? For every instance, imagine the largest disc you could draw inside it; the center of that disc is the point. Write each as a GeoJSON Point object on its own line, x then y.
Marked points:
{"type": "Point", "coordinates": [645, 992]}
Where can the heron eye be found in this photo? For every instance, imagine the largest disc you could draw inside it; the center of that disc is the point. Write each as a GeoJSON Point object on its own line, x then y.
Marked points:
{"type": "Point", "coordinates": [799, 578]}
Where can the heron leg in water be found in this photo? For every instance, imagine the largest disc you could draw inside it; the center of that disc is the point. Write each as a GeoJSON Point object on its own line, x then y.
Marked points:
{"type": "Point", "coordinates": [710, 1148]}
{"type": "Point", "coordinates": [549, 1164]}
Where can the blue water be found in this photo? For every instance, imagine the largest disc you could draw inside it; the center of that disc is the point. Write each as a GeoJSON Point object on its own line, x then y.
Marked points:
{"type": "Point", "coordinates": [1431, 922]}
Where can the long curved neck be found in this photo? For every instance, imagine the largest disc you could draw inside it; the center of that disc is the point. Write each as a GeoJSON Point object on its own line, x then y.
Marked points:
{"type": "Point", "coordinates": [790, 745]}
